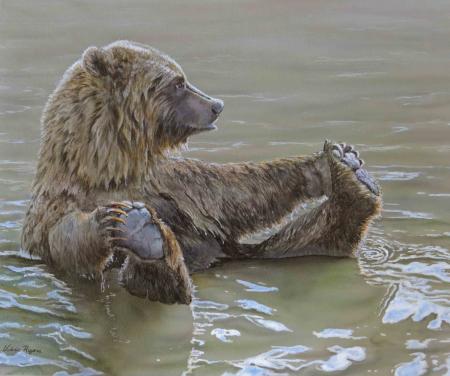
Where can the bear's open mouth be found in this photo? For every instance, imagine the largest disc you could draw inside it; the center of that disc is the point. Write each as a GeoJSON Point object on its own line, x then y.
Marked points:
{"type": "Point", "coordinates": [210, 127]}
{"type": "Point", "coordinates": [203, 128]}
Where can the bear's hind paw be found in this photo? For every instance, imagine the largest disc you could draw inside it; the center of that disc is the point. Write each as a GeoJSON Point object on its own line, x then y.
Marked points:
{"type": "Point", "coordinates": [347, 155]}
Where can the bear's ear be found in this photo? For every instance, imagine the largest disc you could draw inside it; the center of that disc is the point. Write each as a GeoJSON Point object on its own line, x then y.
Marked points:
{"type": "Point", "coordinates": [95, 61]}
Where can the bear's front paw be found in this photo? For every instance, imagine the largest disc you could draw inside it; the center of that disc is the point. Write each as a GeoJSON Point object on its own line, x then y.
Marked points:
{"type": "Point", "coordinates": [129, 227]}
{"type": "Point", "coordinates": [347, 155]}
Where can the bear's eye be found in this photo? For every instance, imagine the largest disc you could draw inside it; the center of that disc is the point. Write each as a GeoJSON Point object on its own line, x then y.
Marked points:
{"type": "Point", "coordinates": [180, 85]}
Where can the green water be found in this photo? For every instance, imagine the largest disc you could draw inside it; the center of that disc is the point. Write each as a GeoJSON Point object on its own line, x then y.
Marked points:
{"type": "Point", "coordinates": [291, 74]}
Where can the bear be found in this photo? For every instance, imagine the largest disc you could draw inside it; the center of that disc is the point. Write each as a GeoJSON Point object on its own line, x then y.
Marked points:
{"type": "Point", "coordinates": [109, 193]}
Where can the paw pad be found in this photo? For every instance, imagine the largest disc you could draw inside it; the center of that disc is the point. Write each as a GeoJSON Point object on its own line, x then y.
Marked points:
{"type": "Point", "coordinates": [133, 229]}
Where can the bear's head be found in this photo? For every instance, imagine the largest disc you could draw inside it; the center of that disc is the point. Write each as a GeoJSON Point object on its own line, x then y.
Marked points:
{"type": "Point", "coordinates": [115, 112]}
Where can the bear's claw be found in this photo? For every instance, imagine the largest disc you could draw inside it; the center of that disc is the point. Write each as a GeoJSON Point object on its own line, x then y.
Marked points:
{"type": "Point", "coordinates": [131, 229]}
{"type": "Point", "coordinates": [117, 211]}
{"type": "Point", "coordinates": [122, 204]}
{"type": "Point", "coordinates": [115, 229]}
{"type": "Point", "coordinates": [110, 218]}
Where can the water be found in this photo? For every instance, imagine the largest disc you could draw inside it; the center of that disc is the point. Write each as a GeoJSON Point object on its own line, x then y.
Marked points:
{"type": "Point", "coordinates": [291, 74]}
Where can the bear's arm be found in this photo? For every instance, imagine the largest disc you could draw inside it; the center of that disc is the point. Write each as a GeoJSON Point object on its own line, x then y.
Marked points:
{"type": "Point", "coordinates": [244, 197]}
{"type": "Point", "coordinates": [76, 244]}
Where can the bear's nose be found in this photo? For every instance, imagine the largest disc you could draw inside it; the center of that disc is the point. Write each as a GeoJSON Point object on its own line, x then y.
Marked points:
{"type": "Point", "coordinates": [217, 106]}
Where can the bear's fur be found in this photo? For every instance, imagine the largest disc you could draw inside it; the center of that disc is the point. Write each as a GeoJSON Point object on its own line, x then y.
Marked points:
{"type": "Point", "coordinates": [107, 133]}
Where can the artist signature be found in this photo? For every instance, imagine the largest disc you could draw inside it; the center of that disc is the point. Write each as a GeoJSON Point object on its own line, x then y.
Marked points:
{"type": "Point", "coordinates": [9, 348]}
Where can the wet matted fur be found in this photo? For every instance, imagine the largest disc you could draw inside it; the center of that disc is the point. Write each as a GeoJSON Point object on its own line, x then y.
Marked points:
{"type": "Point", "coordinates": [107, 133]}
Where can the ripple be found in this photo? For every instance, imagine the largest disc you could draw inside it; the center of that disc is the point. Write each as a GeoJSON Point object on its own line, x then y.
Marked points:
{"type": "Point", "coordinates": [433, 98]}
{"type": "Point", "coordinates": [210, 316]}
{"type": "Point", "coordinates": [401, 214]}
{"type": "Point", "coordinates": [255, 97]}
{"type": "Point", "coordinates": [344, 358]}
{"type": "Point", "coordinates": [24, 360]}
{"type": "Point", "coordinates": [78, 352]}
{"type": "Point", "coordinates": [224, 334]}
{"type": "Point", "coordinates": [213, 147]}
{"type": "Point", "coordinates": [409, 302]}
{"type": "Point", "coordinates": [396, 175]}
{"type": "Point", "coordinates": [44, 304]}
{"type": "Point", "coordinates": [9, 300]}
{"type": "Point", "coordinates": [68, 329]}
{"type": "Point", "coordinates": [248, 304]}
{"type": "Point", "coordinates": [383, 148]}
{"type": "Point", "coordinates": [208, 304]}
{"type": "Point", "coordinates": [437, 270]}
{"type": "Point", "coordinates": [281, 358]}
{"type": "Point", "coordinates": [278, 358]}
{"type": "Point", "coordinates": [439, 195]}
{"type": "Point", "coordinates": [418, 366]}
{"type": "Point", "coordinates": [276, 143]}
{"type": "Point", "coordinates": [359, 74]}
{"type": "Point", "coordinates": [333, 124]}
{"type": "Point", "coordinates": [255, 287]}
{"type": "Point", "coordinates": [400, 129]}
{"type": "Point", "coordinates": [415, 344]}
{"type": "Point", "coordinates": [336, 333]}
{"type": "Point", "coordinates": [417, 289]}
{"type": "Point", "coordinates": [11, 109]}
{"type": "Point", "coordinates": [267, 324]}
{"type": "Point", "coordinates": [374, 255]}
{"type": "Point", "coordinates": [10, 225]}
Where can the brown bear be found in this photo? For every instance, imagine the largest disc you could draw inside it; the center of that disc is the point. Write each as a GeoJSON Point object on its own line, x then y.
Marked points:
{"type": "Point", "coordinates": [108, 194]}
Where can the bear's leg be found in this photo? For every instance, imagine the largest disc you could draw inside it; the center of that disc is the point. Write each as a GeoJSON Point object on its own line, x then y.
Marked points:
{"type": "Point", "coordinates": [82, 242]}
{"type": "Point", "coordinates": [337, 226]}
{"type": "Point", "coordinates": [149, 256]}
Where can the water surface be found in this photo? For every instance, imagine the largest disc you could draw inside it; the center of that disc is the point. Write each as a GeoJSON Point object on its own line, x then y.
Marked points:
{"type": "Point", "coordinates": [291, 74]}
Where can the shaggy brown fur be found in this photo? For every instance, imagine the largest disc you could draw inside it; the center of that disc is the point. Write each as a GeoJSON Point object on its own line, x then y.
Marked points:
{"type": "Point", "coordinates": [107, 130]}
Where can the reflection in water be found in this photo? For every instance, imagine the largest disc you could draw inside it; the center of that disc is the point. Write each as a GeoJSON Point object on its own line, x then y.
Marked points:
{"type": "Point", "coordinates": [37, 322]}
{"type": "Point", "coordinates": [224, 334]}
{"type": "Point", "coordinates": [398, 175]}
{"type": "Point", "coordinates": [286, 358]}
{"type": "Point", "coordinates": [336, 333]}
{"type": "Point", "coordinates": [255, 306]}
{"type": "Point", "coordinates": [23, 359]}
{"type": "Point", "coordinates": [416, 276]}
{"type": "Point", "coordinates": [254, 287]}
{"type": "Point", "coordinates": [417, 367]}
{"type": "Point", "coordinates": [413, 277]}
